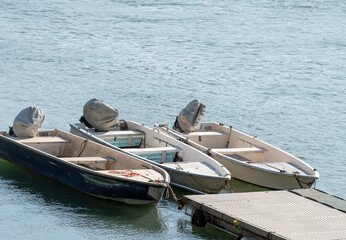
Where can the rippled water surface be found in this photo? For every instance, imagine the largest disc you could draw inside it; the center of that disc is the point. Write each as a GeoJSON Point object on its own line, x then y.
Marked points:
{"type": "Point", "coordinates": [273, 68]}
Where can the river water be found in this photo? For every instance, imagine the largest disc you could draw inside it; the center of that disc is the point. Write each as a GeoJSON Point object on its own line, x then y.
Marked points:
{"type": "Point", "coordinates": [273, 68]}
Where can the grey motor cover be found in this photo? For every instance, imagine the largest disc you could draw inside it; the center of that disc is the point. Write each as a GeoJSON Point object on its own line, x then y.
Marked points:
{"type": "Point", "coordinates": [191, 115]}
{"type": "Point", "coordinates": [100, 115]}
{"type": "Point", "coordinates": [28, 122]}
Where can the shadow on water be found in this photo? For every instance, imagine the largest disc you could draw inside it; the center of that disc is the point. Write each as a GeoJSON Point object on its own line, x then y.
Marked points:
{"type": "Point", "coordinates": [65, 199]}
{"type": "Point", "coordinates": [209, 232]}
{"type": "Point", "coordinates": [183, 224]}
{"type": "Point", "coordinates": [238, 186]}
{"type": "Point", "coordinates": [234, 186]}
{"type": "Point", "coordinates": [103, 215]}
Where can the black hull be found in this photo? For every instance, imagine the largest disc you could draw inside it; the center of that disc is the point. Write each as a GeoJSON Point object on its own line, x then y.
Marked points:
{"type": "Point", "coordinates": [79, 178]}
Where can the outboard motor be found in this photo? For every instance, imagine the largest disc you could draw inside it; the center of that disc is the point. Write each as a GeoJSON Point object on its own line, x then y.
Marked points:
{"type": "Point", "coordinates": [85, 122]}
{"type": "Point", "coordinates": [28, 122]}
{"type": "Point", "coordinates": [190, 116]}
{"type": "Point", "coordinates": [100, 115]}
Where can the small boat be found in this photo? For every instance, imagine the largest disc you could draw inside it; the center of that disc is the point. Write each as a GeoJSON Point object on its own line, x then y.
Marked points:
{"type": "Point", "coordinates": [188, 168]}
{"type": "Point", "coordinates": [87, 166]}
{"type": "Point", "coordinates": [244, 155]}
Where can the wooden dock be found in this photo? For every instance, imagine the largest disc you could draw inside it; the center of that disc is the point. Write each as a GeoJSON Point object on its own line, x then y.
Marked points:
{"type": "Point", "coordinates": [294, 214]}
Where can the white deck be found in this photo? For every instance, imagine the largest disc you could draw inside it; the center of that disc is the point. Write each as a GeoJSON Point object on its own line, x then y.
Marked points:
{"type": "Point", "coordinates": [276, 214]}
{"type": "Point", "coordinates": [193, 167]}
{"type": "Point", "coordinates": [144, 175]}
{"type": "Point", "coordinates": [284, 167]}
{"type": "Point", "coordinates": [280, 167]}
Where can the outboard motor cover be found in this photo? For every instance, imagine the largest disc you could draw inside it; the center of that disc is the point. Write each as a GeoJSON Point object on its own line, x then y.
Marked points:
{"type": "Point", "coordinates": [28, 122]}
{"type": "Point", "coordinates": [190, 116]}
{"type": "Point", "coordinates": [100, 115]}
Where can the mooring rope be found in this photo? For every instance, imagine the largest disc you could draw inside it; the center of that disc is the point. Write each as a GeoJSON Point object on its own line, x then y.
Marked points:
{"type": "Point", "coordinates": [300, 182]}
{"type": "Point", "coordinates": [179, 201]}
{"type": "Point", "coordinates": [85, 143]}
{"type": "Point", "coordinates": [177, 162]}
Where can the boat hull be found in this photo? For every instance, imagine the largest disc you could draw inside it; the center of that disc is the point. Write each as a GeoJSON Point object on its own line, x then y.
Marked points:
{"type": "Point", "coordinates": [80, 179]}
{"type": "Point", "coordinates": [196, 182]}
{"type": "Point", "coordinates": [267, 179]}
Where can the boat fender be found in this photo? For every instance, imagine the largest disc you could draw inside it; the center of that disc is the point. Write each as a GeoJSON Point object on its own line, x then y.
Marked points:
{"type": "Point", "coordinates": [198, 218]}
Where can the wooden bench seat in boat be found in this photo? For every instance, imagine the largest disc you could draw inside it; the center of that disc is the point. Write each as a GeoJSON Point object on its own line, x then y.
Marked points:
{"type": "Point", "coordinates": [227, 151]}
{"type": "Point", "coordinates": [210, 138]}
{"type": "Point", "coordinates": [152, 150]}
{"type": "Point", "coordinates": [123, 138]}
{"type": "Point", "coordinates": [159, 154]}
{"type": "Point", "coordinates": [54, 145]}
{"type": "Point", "coordinates": [88, 159]}
{"type": "Point", "coordinates": [45, 139]}
{"type": "Point", "coordinates": [119, 133]}
{"type": "Point", "coordinates": [95, 163]}
{"type": "Point", "coordinates": [210, 133]}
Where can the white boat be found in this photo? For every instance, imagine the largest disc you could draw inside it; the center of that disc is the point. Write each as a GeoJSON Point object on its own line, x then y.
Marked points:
{"type": "Point", "coordinates": [187, 167]}
{"type": "Point", "coordinates": [246, 157]}
{"type": "Point", "coordinates": [87, 166]}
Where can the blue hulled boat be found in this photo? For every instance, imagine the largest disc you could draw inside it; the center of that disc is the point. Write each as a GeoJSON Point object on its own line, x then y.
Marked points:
{"type": "Point", "coordinates": [86, 166]}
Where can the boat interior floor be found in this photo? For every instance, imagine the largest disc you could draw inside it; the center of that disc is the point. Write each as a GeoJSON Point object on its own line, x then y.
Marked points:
{"type": "Point", "coordinates": [144, 175]}
{"type": "Point", "coordinates": [106, 165]}
{"type": "Point", "coordinates": [202, 168]}
{"type": "Point", "coordinates": [284, 167]}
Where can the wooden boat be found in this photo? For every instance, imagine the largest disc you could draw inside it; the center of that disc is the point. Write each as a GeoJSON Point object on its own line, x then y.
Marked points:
{"type": "Point", "coordinates": [87, 166]}
{"type": "Point", "coordinates": [187, 167]}
{"type": "Point", "coordinates": [246, 157]}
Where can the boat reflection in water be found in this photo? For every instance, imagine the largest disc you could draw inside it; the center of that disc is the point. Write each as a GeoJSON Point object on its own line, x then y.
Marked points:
{"type": "Point", "coordinates": [46, 198]}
